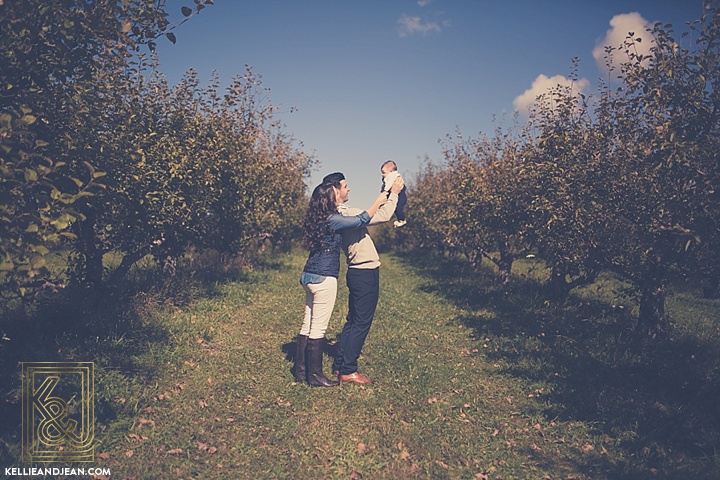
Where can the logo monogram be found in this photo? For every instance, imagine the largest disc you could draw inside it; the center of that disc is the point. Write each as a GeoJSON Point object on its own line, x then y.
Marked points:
{"type": "Point", "coordinates": [58, 412]}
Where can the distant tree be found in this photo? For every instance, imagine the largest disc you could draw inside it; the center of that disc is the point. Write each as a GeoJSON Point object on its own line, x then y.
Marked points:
{"type": "Point", "coordinates": [101, 152]}
{"type": "Point", "coordinates": [564, 164]}
{"type": "Point", "coordinates": [189, 166]}
{"type": "Point", "coordinates": [626, 182]}
{"type": "Point", "coordinates": [435, 206]}
{"type": "Point", "coordinates": [489, 221]}
{"type": "Point", "coordinates": [664, 120]}
{"type": "Point", "coordinates": [50, 55]}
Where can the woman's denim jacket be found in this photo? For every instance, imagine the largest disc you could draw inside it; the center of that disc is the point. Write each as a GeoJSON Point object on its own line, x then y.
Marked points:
{"type": "Point", "coordinates": [325, 261]}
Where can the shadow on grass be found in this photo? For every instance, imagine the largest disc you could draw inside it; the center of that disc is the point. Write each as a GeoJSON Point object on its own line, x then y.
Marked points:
{"type": "Point", "coordinates": [656, 401]}
{"type": "Point", "coordinates": [116, 328]}
{"type": "Point", "coordinates": [74, 325]}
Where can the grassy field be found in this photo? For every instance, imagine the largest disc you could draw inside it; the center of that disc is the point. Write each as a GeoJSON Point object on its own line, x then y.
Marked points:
{"type": "Point", "coordinates": [474, 380]}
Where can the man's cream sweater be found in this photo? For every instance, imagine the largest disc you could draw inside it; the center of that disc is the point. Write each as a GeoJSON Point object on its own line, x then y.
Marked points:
{"type": "Point", "coordinates": [357, 244]}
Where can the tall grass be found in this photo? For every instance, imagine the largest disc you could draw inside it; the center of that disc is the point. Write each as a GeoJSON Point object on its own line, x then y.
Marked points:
{"type": "Point", "coordinates": [473, 379]}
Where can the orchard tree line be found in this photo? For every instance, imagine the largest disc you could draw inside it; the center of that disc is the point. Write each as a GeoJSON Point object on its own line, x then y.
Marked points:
{"type": "Point", "coordinates": [99, 154]}
{"type": "Point", "coordinates": [625, 181]}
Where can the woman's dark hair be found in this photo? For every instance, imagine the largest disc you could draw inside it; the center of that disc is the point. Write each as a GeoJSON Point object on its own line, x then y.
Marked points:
{"type": "Point", "coordinates": [323, 203]}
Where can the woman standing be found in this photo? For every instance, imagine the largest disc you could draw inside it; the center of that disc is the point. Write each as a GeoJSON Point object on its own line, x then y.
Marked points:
{"type": "Point", "coordinates": [322, 226]}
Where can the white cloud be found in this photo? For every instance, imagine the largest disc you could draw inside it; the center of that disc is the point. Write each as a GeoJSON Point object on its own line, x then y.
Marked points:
{"type": "Point", "coordinates": [424, 3]}
{"type": "Point", "coordinates": [542, 85]}
{"type": "Point", "coordinates": [412, 24]}
{"type": "Point", "coordinates": [621, 25]}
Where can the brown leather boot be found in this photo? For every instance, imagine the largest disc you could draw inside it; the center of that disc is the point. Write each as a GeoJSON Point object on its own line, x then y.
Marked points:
{"type": "Point", "coordinates": [299, 370]}
{"type": "Point", "coordinates": [315, 375]}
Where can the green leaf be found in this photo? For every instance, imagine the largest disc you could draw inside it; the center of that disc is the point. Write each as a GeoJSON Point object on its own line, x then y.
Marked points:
{"type": "Point", "coordinates": [38, 262]}
{"type": "Point", "coordinates": [171, 37]}
{"type": "Point", "coordinates": [30, 175]}
{"type": "Point", "coordinates": [61, 223]}
{"type": "Point", "coordinates": [187, 11]}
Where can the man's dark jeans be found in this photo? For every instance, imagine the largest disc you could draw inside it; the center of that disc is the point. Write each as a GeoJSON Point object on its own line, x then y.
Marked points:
{"type": "Point", "coordinates": [364, 287]}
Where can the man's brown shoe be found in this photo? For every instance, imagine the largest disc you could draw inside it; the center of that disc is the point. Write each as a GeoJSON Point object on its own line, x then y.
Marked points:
{"type": "Point", "coordinates": [355, 377]}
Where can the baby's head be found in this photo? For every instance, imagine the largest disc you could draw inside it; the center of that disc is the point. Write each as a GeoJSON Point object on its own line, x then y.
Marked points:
{"type": "Point", "coordinates": [388, 167]}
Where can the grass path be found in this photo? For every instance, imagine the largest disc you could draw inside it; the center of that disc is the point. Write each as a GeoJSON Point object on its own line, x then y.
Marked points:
{"type": "Point", "coordinates": [222, 404]}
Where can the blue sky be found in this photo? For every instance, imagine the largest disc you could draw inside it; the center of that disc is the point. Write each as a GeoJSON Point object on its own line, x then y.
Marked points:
{"type": "Point", "coordinates": [362, 81]}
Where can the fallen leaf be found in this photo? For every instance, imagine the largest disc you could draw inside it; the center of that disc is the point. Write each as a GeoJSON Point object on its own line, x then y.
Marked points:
{"type": "Point", "coordinates": [145, 421]}
{"type": "Point", "coordinates": [129, 453]}
{"type": "Point", "coordinates": [361, 448]}
{"type": "Point", "coordinates": [588, 448]}
{"type": "Point", "coordinates": [104, 456]}
{"type": "Point", "coordinates": [174, 451]}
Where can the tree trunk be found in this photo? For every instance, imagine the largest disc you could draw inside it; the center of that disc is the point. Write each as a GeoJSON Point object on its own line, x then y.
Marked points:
{"type": "Point", "coordinates": [505, 263]}
{"type": "Point", "coordinates": [559, 285]}
{"type": "Point", "coordinates": [90, 268]}
{"type": "Point", "coordinates": [475, 258]}
{"type": "Point", "coordinates": [127, 262]}
{"type": "Point", "coordinates": [652, 319]}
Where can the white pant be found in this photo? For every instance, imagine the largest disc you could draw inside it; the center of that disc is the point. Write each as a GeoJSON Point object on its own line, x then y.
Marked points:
{"type": "Point", "coordinates": [319, 304]}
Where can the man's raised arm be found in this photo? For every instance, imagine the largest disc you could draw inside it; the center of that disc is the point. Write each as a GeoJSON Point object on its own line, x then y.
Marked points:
{"type": "Point", "coordinates": [385, 212]}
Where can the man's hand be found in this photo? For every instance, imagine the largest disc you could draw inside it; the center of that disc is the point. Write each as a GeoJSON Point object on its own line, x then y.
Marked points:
{"type": "Point", "coordinates": [397, 185]}
{"type": "Point", "coordinates": [381, 199]}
